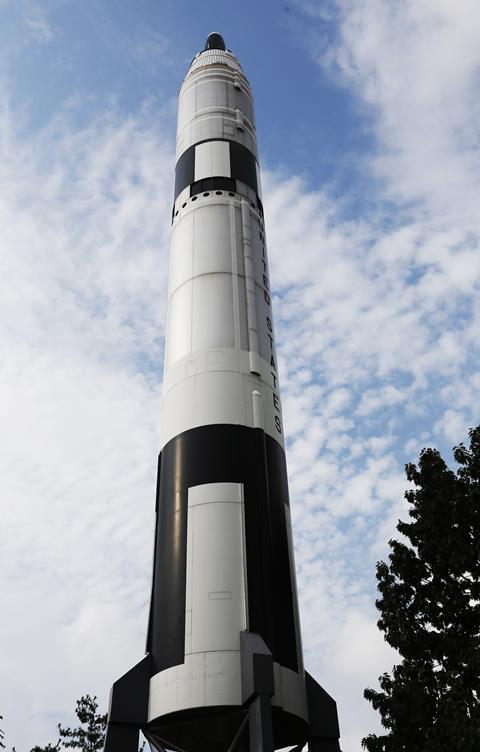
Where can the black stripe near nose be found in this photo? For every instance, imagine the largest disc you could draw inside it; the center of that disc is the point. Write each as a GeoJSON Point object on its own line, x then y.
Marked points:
{"type": "Point", "coordinates": [243, 166]}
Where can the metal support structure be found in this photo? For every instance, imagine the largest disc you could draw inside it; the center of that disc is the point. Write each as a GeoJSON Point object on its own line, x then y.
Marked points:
{"type": "Point", "coordinates": [323, 719]}
{"type": "Point", "coordinates": [128, 710]}
{"type": "Point", "coordinates": [260, 724]}
{"type": "Point", "coordinates": [238, 736]}
{"type": "Point", "coordinates": [122, 737]}
{"type": "Point", "coordinates": [257, 690]}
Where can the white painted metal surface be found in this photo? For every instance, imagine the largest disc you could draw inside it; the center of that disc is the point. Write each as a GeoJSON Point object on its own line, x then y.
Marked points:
{"type": "Point", "coordinates": [213, 100]}
{"type": "Point", "coordinates": [215, 567]}
{"type": "Point", "coordinates": [212, 158]}
{"type": "Point", "coordinates": [215, 605]}
{"type": "Point", "coordinates": [207, 679]}
{"type": "Point", "coordinates": [204, 679]}
{"type": "Point", "coordinates": [219, 300]}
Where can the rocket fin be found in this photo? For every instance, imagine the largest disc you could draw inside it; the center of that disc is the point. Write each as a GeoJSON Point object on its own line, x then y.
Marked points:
{"type": "Point", "coordinates": [128, 710]}
{"type": "Point", "coordinates": [257, 666]}
{"type": "Point", "coordinates": [323, 719]}
{"type": "Point", "coordinates": [257, 690]}
{"type": "Point", "coordinates": [121, 738]}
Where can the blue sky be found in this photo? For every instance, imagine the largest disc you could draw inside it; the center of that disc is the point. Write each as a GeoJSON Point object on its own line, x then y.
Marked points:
{"type": "Point", "coordinates": [131, 52]}
{"type": "Point", "coordinates": [367, 118]}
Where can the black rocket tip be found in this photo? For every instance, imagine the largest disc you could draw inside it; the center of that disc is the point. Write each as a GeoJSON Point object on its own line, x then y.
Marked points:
{"type": "Point", "coordinates": [215, 41]}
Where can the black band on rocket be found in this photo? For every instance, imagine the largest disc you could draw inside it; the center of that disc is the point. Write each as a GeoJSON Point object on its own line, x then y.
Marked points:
{"type": "Point", "coordinates": [213, 184]}
{"type": "Point", "coordinates": [243, 166]}
{"type": "Point", "coordinates": [215, 454]}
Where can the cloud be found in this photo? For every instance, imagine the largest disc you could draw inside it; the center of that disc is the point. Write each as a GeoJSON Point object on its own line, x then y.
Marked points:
{"type": "Point", "coordinates": [85, 218]}
{"type": "Point", "coordinates": [377, 321]}
{"type": "Point", "coordinates": [415, 66]}
{"type": "Point", "coordinates": [452, 426]}
{"type": "Point", "coordinates": [381, 308]}
{"type": "Point", "coordinates": [38, 28]}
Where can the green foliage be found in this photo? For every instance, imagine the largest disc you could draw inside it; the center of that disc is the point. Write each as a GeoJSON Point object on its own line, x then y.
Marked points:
{"type": "Point", "coordinates": [90, 735]}
{"type": "Point", "coordinates": [430, 612]}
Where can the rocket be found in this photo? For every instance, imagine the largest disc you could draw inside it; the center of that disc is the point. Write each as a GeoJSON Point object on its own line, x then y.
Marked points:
{"type": "Point", "coordinates": [223, 668]}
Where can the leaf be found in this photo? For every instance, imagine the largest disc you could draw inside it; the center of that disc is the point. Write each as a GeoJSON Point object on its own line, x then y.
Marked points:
{"type": "Point", "coordinates": [430, 611]}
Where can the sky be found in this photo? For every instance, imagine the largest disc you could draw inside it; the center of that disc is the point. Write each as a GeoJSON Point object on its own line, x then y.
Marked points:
{"type": "Point", "coordinates": [368, 128]}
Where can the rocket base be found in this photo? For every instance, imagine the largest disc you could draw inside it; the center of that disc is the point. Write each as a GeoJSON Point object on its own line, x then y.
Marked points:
{"type": "Point", "coordinates": [255, 726]}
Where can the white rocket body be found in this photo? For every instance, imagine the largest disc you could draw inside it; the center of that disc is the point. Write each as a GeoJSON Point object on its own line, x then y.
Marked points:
{"type": "Point", "coordinates": [220, 369]}
{"type": "Point", "coordinates": [224, 643]}
{"type": "Point", "coordinates": [220, 346]}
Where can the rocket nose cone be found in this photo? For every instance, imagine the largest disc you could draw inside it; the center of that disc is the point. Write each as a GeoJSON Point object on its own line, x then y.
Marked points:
{"type": "Point", "coordinates": [215, 41]}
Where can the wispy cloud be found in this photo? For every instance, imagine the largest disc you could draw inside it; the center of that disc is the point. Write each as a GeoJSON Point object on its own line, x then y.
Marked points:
{"type": "Point", "coordinates": [39, 29]}
{"type": "Point", "coordinates": [85, 218]}
{"type": "Point", "coordinates": [415, 66]}
{"type": "Point", "coordinates": [378, 315]}
{"type": "Point", "coordinates": [377, 327]}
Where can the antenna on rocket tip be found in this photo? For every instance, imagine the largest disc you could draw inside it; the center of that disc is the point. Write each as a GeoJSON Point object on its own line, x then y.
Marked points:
{"type": "Point", "coordinates": [215, 41]}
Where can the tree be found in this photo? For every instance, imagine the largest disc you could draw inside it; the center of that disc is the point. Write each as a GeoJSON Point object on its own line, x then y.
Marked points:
{"type": "Point", "coordinates": [91, 735]}
{"type": "Point", "coordinates": [430, 612]}
{"type": "Point", "coordinates": [88, 737]}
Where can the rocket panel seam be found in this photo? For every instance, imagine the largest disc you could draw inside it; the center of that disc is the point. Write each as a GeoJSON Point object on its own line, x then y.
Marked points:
{"type": "Point", "coordinates": [236, 275]}
{"type": "Point", "coordinates": [220, 110]}
{"type": "Point", "coordinates": [219, 369]}
{"type": "Point", "coordinates": [217, 193]}
{"type": "Point", "coordinates": [206, 274]}
{"type": "Point", "coordinates": [216, 75]}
